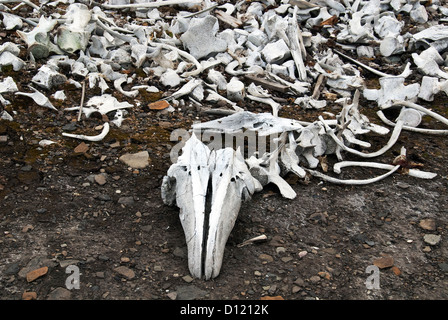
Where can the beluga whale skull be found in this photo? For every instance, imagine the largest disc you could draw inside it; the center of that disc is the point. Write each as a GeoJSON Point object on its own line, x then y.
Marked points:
{"type": "Point", "coordinates": [208, 186]}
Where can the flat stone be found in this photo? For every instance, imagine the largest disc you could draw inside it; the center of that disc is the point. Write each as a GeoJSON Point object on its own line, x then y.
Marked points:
{"type": "Point", "coordinates": [59, 294]}
{"type": "Point", "coordinates": [266, 257]}
{"type": "Point", "coordinates": [28, 295]}
{"type": "Point", "coordinates": [126, 201]}
{"type": "Point", "coordinates": [125, 272]}
{"type": "Point", "coordinates": [384, 262]}
{"type": "Point", "coordinates": [37, 273]}
{"type": "Point", "coordinates": [432, 239]}
{"type": "Point", "coordinates": [81, 148]}
{"type": "Point", "coordinates": [190, 292]}
{"type": "Point", "coordinates": [100, 179]}
{"type": "Point", "coordinates": [159, 105]}
{"type": "Point", "coordinates": [428, 224]}
{"type": "Point", "coordinates": [137, 160]}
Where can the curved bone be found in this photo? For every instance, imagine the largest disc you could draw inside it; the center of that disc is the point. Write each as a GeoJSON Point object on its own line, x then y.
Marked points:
{"type": "Point", "coordinates": [413, 129]}
{"type": "Point", "coordinates": [352, 181]}
{"type": "Point", "coordinates": [406, 72]}
{"type": "Point", "coordinates": [39, 98]}
{"type": "Point", "coordinates": [186, 55]}
{"type": "Point", "coordinates": [393, 139]}
{"type": "Point", "coordinates": [412, 172]}
{"type": "Point", "coordinates": [99, 137]}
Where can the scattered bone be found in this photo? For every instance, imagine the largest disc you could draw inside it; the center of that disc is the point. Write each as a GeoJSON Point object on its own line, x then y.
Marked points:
{"type": "Point", "coordinates": [392, 88]}
{"type": "Point", "coordinates": [39, 98]}
{"type": "Point", "coordinates": [235, 90]}
{"type": "Point", "coordinates": [101, 136]}
{"type": "Point", "coordinates": [11, 21]}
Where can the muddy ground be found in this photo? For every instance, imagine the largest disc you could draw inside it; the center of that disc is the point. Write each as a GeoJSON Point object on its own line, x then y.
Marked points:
{"type": "Point", "coordinates": [54, 214]}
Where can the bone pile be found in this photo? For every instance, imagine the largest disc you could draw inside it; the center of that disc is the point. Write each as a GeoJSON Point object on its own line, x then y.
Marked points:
{"type": "Point", "coordinates": [229, 54]}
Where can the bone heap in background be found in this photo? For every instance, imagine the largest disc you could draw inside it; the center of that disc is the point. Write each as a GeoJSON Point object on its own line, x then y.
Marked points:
{"type": "Point", "coordinates": [206, 53]}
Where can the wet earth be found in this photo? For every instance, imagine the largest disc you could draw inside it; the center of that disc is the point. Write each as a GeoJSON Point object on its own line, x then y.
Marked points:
{"type": "Point", "coordinates": [127, 244]}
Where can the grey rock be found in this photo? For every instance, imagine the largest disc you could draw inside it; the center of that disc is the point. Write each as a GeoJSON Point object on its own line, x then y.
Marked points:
{"type": "Point", "coordinates": [432, 239]}
{"type": "Point", "coordinates": [126, 200]}
{"type": "Point", "coordinates": [59, 294]}
{"type": "Point", "coordinates": [190, 292]}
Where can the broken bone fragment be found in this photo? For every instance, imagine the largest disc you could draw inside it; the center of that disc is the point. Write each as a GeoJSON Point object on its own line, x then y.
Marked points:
{"type": "Point", "coordinates": [39, 98]}
{"type": "Point", "coordinates": [392, 89]}
{"type": "Point", "coordinates": [235, 90]}
{"type": "Point", "coordinates": [200, 38]}
{"type": "Point", "coordinates": [208, 187]}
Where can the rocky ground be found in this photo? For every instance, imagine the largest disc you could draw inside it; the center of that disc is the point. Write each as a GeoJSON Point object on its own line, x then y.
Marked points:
{"type": "Point", "coordinates": [75, 204]}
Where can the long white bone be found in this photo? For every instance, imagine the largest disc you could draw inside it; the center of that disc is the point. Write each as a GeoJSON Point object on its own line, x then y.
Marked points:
{"type": "Point", "coordinates": [99, 137]}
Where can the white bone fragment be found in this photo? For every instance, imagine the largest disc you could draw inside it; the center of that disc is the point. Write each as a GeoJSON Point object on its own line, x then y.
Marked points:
{"type": "Point", "coordinates": [392, 140]}
{"type": "Point", "coordinates": [215, 97]}
{"type": "Point", "coordinates": [411, 172]}
{"type": "Point", "coordinates": [101, 136]}
{"type": "Point", "coordinates": [419, 14]}
{"type": "Point", "coordinates": [5, 115]}
{"type": "Point", "coordinates": [230, 69]}
{"type": "Point", "coordinates": [118, 86]}
{"type": "Point", "coordinates": [235, 90]}
{"type": "Point", "coordinates": [392, 44]}
{"type": "Point", "coordinates": [11, 47]}
{"type": "Point", "coordinates": [39, 98]}
{"type": "Point", "coordinates": [266, 170]}
{"type": "Point", "coordinates": [276, 52]}
{"type": "Point", "coordinates": [388, 26]}
{"type": "Point", "coordinates": [352, 181]}
{"type": "Point", "coordinates": [48, 78]}
{"type": "Point", "coordinates": [170, 78]}
{"type": "Point", "coordinates": [138, 53]}
{"type": "Point", "coordinates": [11, 21]}
{"type": "Point", "coordinates": [392, 88]}
{"type": "Point", "coordinates": [410, 117]}
{"type": "Point", "coordinates": [428, 63]}
{"type": "Point", "coordinates": [310, 103]}
{"type": "Point", "coordinates": [200, 38]}
{"type": "Point", "coordinates": [434, 33]}
{"type": "Point", "coordinates": [252, 240]}
{"type": "Point", "coordinates": [38, 40]}
{"type": "Point", "coordinates": [155, 4]}
{"type": "Point", "coordinates": [9, 59]}
{"type": "Point", "coordinates": [296, 46]}
{"type": "Point", "coordinates": [118, 117]}
{"type": "Point", "coordinates": [406, 72]}
{"type": "Point", "coordinates": [8, 85]}
{"type": "Point", "coordinates": [73, 36]}
{"type": "Point", "coordinates": [45, 143]}
{"type": "Point", "coordinates": [275, 105]}
{"type": "Point", "coordinates": [430, 86]}
{"type": "Point", "coordinates": [217, 78]}
{"type": "Point", "coordinates": [59, 95]}
{"type": "Point", "coordinates": [289, 158]}
{"type": "Point", "coordinates": [186, 55]}
{"type": "Point", "coordinates": [264, 124]}
{"type": "Point", "coordinates": [413, 129]}
{"type": "Point", "coordinates": [186, 89]}
{"type": "Point", "coordinates": [299, 87]}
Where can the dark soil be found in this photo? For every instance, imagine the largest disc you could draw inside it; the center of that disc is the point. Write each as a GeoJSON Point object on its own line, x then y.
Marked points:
{"type": "Point", "coordinates": [51, 215]}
